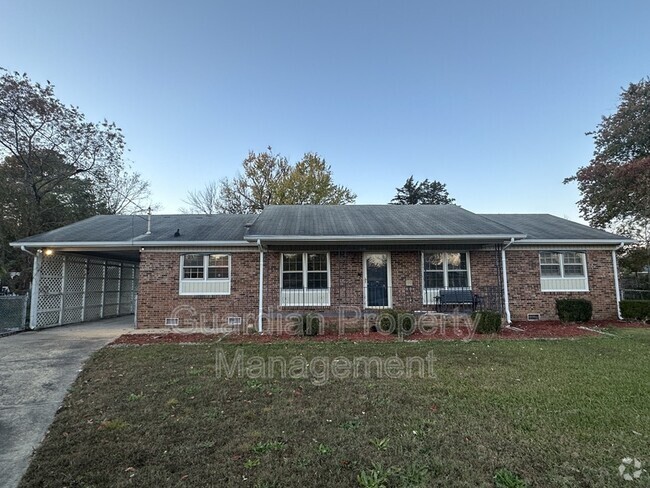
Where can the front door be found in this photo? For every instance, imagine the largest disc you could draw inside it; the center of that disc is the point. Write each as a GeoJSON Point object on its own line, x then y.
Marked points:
{"type": "Point", "coordinates": [376, 271]}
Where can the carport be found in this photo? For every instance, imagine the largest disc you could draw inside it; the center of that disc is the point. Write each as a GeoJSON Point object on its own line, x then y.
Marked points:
{"type": "Point", "coordinates": [71, 287]}
{"type": "Point", "coordinates": [86, 271]}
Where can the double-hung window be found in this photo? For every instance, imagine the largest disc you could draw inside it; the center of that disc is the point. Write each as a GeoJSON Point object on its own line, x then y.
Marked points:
{"type": "Point", "coordinates": [563, 271]}
{"type": "Point", "coordinates": [443, 270]}
{"type": "Point", "coordinates": [205, 274]}
{"type": "Point", "coordinates": [304, 279]}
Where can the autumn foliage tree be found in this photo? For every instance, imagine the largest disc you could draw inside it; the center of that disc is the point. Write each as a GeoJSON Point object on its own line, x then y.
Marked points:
{"type": "Point", "coordinates": [267, 178]}
{"type": "Point", "coordinates": [56, 167]}
{"type": "Point", "coordinates": [615, 185]}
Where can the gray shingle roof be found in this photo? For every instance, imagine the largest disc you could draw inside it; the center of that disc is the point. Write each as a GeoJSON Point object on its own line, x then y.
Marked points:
{"type": "Point", "coordinates": [127, 228]}
{"type": "Point", "coordinates": [299, 223]}
{"type": "Point", "coordinates": [355, 221]}
{"type": "Point", "coordinates": [550, 227]}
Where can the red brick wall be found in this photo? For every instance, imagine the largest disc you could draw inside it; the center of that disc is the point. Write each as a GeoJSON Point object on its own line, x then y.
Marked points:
{"type": "Point", "coordinates": [158, 292]}
{"type": "Point", "coordinates": [525, 289]}
{"type": "Point", "coordinates": [159, 274]}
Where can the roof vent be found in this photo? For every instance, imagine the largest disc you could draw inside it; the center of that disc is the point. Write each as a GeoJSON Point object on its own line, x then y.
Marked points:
{"type": "Point", "coordinates": [177, 233]}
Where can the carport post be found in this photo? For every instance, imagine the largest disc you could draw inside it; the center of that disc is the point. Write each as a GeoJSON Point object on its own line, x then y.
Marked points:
{"type": "Point", "coordinates": [36, 284]}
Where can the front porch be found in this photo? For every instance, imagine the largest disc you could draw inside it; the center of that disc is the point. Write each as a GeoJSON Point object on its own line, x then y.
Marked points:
{"type": "Point", "coordinates": [416, 279]}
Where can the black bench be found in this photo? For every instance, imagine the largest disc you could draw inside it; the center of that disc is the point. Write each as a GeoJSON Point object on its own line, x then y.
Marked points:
{"type": "Point", "coordinates": [448, 298]}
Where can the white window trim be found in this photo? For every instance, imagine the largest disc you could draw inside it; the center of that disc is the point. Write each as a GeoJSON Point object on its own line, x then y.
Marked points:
{"type": "Point", "coordinates": [428, 293]}
{"type": "Point", "coordinates": [326, 292]}
{"type": "Point", "coordinates": [389, 279]}
{"type": "Point", "coordinates": [562, 277]}
{"type": "Point", "coordinates": [205, 279]}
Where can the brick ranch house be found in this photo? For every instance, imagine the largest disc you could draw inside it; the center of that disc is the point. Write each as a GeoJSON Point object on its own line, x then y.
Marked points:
{"type": "Point", "coordinates": [341, 261]}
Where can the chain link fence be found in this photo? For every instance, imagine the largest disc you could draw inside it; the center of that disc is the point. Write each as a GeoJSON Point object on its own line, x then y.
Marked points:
{"type": "Point", "coordinates": [628, 294]}
{"type": "Point", "coordinates": [13, 313]}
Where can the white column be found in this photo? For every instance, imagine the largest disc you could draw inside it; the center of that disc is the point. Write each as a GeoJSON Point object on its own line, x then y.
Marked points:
{"type": "Point", "coordinates": [36, 284]}
{"type": "Point", "coordinates": [63, 287]}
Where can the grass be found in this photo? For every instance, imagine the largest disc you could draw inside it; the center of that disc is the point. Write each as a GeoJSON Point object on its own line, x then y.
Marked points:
{"type": "Point", "coordinates": [497, 413]}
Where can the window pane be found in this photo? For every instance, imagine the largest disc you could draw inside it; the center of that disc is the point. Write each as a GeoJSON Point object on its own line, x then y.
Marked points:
{"type": "Point", "coordinates": [574, 270]}
{"type": "Point", "coordinates": [456, 261]}
{"type": "Point", "coordinates": [433, 279]}
{"type": "Point", "coordinates": [457, 279]}
{"type": "Point", "coordinates": [317, 280]}
{"type": "Point", "coordinates": [551, 270]}
{"type": "Point", "coordinates": [292, 262]}
{"type": "Point", "coordinates": [573, 258]}
{"type": "Point", "coordinates": [218, 260]}
{"type": "Point", "coordinates": [218, 272]}
{"type": "Point", "coordinates": [546, 257]}
{"type": "Point", "coordinates": [292, 281]}
{"type": "Point", "coordinates": [193, 273]}
{"type": "Point", "coordinates": [193, 260]}
{"type": "Point", "coordinates": [433, 261]}
{"type": "Point", "coordinates": [317, 262]}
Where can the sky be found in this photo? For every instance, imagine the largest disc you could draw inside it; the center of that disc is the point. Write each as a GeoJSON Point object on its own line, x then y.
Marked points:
{"type": "Point", "coordinates": [493, 98]}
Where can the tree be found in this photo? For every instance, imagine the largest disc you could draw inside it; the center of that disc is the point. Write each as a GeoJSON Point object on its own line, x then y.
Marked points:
{"type": "Point", "coordinates": [121, 191]}
{"type": "Point", "coordinates": [203, 201]}
{"type": "Point", "coordinates": [310, 182]}
{"type": "Point", "coordinates": [615, 185]}
{"type": "Point", "coordinates": [268, 178]}
{"type": "Point", "coordinates": [55, 166]}
{"type": "Point", "coordinates": [422, 193]}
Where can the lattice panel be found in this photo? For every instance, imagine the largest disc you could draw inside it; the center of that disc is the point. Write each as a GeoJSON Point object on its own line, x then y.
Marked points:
{"type": "Point", "coordinates": [112, 290]}
{"type": "Point", "coordinates": [52, 266]}
{"type": "Point", "coordinates": [94, 289]}
{"type": "Point", "coordinates": [74, 270]}
{"type": "Point", "coordinates": [93, 313]}
{"type": "Point", "coordinates": [50, 298]}
{"type": "Point", "coordinates": [74, 289]}
{"type": "Point", "coordinates": [49, 302]}
{"type": "Point", "coordinates": [127, 289]}
{"type": "Point", "coordinates": [46, 319]}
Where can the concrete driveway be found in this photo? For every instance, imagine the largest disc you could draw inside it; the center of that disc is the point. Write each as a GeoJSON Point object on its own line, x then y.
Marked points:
{"type": "Point", "coordinates": [36, 370]}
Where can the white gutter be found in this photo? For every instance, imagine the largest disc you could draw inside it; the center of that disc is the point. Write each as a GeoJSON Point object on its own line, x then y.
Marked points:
{"type": "Point", "coordinates": [525, 242]}
{"type": "Point", "coordinates": [383, 238]}
{"type": "Point", "coordinates": [129, 244]}
{"type": "Point", "coordinates": [22, 248]}
{"type": "Point", "coordinates": [260, 308]}
{"type": "Point", "coordinates": [506, 299]}
{"type": "Point", "coordinates": [616, 285]}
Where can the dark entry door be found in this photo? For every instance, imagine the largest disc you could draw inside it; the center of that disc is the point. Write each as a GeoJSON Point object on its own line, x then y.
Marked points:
{"type": "Point", "coordinates": [377, 279]}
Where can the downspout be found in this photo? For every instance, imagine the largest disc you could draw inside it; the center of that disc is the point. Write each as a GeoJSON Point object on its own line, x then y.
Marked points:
{"type": "Point", "coordinates": [616, 286]}
{"type": "Point", "coordinates": [36, 283]}
{"type": "Point", "coordinates": [506, 299]}
{"type": "Point", "coordinates": [260, 309]}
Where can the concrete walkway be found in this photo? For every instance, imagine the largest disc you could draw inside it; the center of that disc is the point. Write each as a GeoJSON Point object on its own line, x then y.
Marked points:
{"type": "Point", "coordinates": [36, 370]}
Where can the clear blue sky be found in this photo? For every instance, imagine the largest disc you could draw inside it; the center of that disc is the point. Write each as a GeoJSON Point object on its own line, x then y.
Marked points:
{"type": "Point", "coordinates": [490, 97]}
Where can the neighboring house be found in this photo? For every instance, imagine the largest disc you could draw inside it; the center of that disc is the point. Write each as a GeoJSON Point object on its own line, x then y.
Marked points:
{"type": "Point", "coordinates": [342, 261]}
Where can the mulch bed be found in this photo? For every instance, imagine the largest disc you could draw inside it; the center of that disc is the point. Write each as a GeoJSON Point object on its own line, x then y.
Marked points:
{"type": "Point", "coordinates": [529, 330]}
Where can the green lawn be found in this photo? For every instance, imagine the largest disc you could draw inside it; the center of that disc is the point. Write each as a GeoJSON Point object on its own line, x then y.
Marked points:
{"type": "Point", "coordinates": [552, 413]}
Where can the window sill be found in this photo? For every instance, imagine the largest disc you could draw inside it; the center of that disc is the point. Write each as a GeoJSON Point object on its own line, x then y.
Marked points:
{"type": "Point", "coordinates": [566, 291]}
{"type": "Point", "coordinates": [205, 294]}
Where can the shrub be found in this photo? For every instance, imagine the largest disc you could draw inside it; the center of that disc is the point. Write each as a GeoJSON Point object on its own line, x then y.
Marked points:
{"type": "Point", "coordinates": [487, 321]}
{"type": "Point", "coordinates": [573, 309]}
{"type": "Point", "coordinates": [635, 309]}
{"type": "Point", "coordinates": [309, 324]}
{"type": "Point", "coordinates": [396, 322]}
